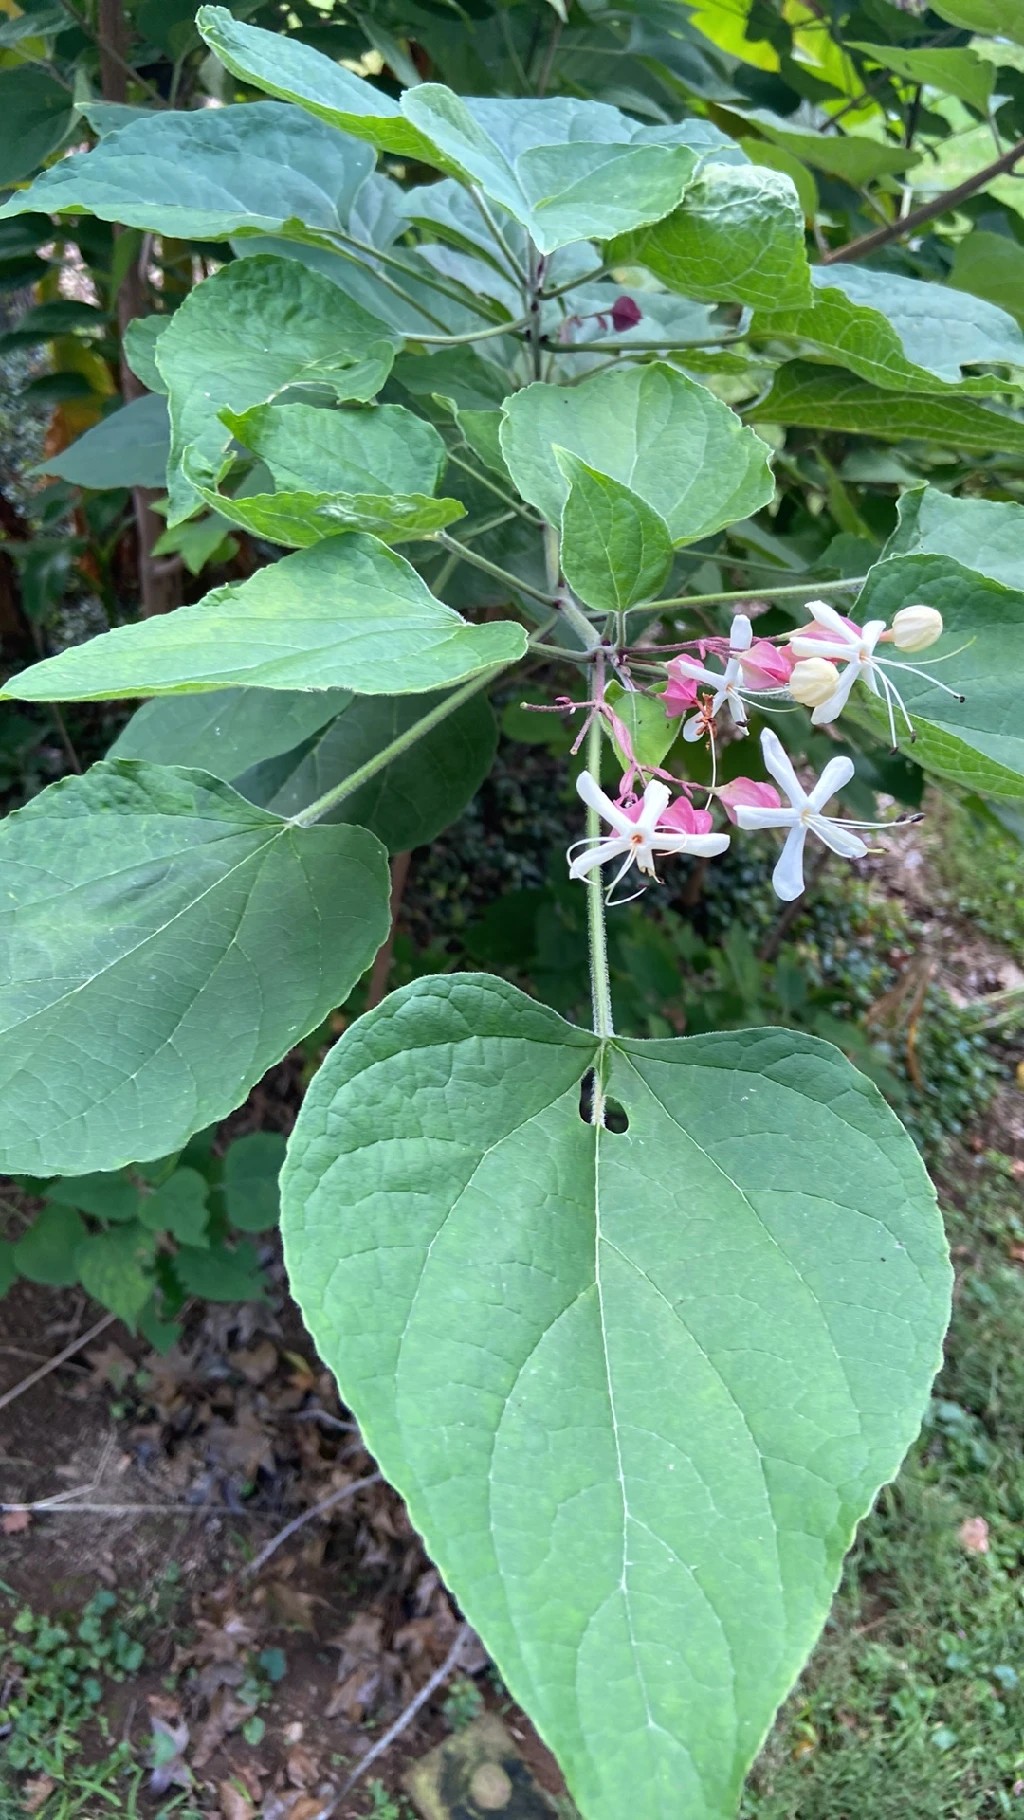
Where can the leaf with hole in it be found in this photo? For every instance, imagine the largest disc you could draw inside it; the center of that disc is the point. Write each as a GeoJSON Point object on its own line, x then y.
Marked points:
{"type": "Point", "coordinates": [979, 742]}
{"type": "Point", "coordinates": [205, 173]}
{"type": "Point", "coordinates": [348, 613]}
{"type": "Point", "coordinates": [666, 438]}
{"type": "Point", "coordinates": [636, 1387]}
{"type": "Point", "coordinates": [738, 237]}
{"type": "Point", "coordinates": [615, 548]}
{"type": "Point", "coordinates": [899, 333]}
{"type": "Point", "coordinates": [127, 449]}
{"type": "Point", "coordinates": [414, 798]}
{"type": "Point", "coordinates": [254, 329]}
{"type": "Point", "coordinates": [146, 984]}
{"type": "Point", "coordinates": [826, 398]}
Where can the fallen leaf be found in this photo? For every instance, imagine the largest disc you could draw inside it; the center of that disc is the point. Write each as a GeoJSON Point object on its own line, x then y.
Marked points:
{"type": "Point", "coordinates": [311, 1807]}
{"type": "Point", "coordinates": [233, 1804]}
{"type": "Point", "coordinates": [973, 1535]}
{"type": "Point", "coordinates": [301, 1767]}
{"type": "Point", "coordinates": [35, 1792]}
{"type": "Point", "coordinates": [15, 1522]}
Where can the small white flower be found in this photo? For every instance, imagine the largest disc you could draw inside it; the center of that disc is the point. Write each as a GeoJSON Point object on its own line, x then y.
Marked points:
{"type": "Point", "coordinates": [803, 816]}
{"type": "Point", "coordinates": [840, 641]}
{"type": "Point", "coordinates": [635, 837]}
{"type": "Point", "coordinates": [726, 683]}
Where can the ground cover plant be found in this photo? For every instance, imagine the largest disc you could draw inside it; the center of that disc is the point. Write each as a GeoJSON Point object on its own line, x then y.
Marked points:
{"type": "Point", "coordinates": [496, 367]}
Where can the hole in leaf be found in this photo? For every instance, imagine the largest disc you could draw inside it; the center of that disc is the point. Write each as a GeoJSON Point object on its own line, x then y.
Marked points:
{"type": "Point", "coordinates": [616, 1118]}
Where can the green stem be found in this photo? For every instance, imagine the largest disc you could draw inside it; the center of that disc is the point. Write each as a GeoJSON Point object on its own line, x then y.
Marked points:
{"type": "Point", "coordinates": [603, 346]}
{"type": "Point", "coordinates": [572, 284]}
{"type": "Point", "coordinates": [454, 341]}
{"type": "Point", "coordinates": [419, 276]}
{"type": "Point", "coordinates": [484, 480]}
{"type": "Point", "coordinates": [494, 227]}
{"type": "Point", "coordinates": [719, 600]}
{"type": "Point", "coordinates": [315, 811]}
{"type": "Point", "coordinates": [492, 568]}
{"type": "Point", "coordinates": [580, 624]}
{"type": "Point", "coordinates": [600, 983]}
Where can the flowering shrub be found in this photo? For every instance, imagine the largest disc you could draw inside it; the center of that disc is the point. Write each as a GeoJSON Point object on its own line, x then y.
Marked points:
{"type": "Point", "coordinates": [637, 1328]}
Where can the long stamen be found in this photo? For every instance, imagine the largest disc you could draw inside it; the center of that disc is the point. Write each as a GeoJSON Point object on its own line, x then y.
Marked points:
{"type": "Point", "coordinates": [916, 670]}
{"type": "Point", "coordinates": [892, 694]}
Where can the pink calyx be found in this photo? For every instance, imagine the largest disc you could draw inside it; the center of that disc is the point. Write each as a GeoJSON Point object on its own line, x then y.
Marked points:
{"type": "Point", "coordinates": [747, 793]}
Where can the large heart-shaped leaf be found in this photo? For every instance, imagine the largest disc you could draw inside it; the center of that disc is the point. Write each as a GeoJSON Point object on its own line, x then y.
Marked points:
{"type": "Point", "coordinates": [348, 613]}
{"type": "Point", "coordinates": [205, 173]}
{"type": "Point", "coordinates": [826, 398]}
{"type": "Point", "coordinates": [616, 549]}
{"type": "Point", "coordinates": [228, 730]}
{"type": "Point", "coordinates": [637, 1388]}
{"type": "Point", "coordinates": [978, 742]}
{"type": "Point", "coordinates": [164, 943]}
{"type": "Point", "coordinates": [738, 237]}
{"type": "Point", "coordinates": [662, 435]}
{"type": "Point", "coordinates": [294, 71]}
{"type": "Point", "coordinates": [252, 330]}
{"type": "Point", "coordinates": [407, 804]}
{"type": "Point", "coordinates": [899, 333]}
{"type": "Point", "coordinates": [565, 169]}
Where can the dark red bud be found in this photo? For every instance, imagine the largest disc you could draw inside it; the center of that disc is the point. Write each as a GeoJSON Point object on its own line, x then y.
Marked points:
{"type": "Point", "coordinates": [625, 314]}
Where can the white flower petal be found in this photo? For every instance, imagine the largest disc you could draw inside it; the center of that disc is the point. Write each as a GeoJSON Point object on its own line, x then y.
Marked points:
{"type": "Point", "coordinates": [688, 666]}
{"type": "Point", "coordinates": [595, 798]}
{"type": "Point", "coordinates": [788, 877]}
{"type": "Point", "coordinates": [826, 616]}
{"type": "Point", "coordinates": [838, 838]}
{"type": "Point", "coordinates": [778, 763]}
{"type": "Point", "coordinates": [752, 815]}
{"type": "Point", "coordinates": [705, 845]}
{"type": "Point", "coordinates": [657, 797]}
{"type": "Point", "coordinates": [831, 709]}
{"type": "Point", "coordinates": [836, 651]}
{"type": "Point", "coordinates": [599, 854]}
{"type": "Point", "coordinates": [836, 776]}
{"type": "Point", "coordinates": [693, 728]}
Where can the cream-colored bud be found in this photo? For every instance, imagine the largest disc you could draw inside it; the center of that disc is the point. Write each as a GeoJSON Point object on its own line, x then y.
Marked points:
{"type": "Point", "coordinates": [915, 628]}
{"type": "Point", "coordinates": [812, 681]}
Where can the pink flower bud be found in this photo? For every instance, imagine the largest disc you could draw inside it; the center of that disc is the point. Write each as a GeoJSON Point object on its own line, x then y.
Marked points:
{"type": "Point", "coordinates": [625, 314]}
{"type": "Point", "coordinates": [915, 628]}
{"type": "Point", "coordinates": [747, 793]}
{"type": "Point", "coordinates": [813, 680]}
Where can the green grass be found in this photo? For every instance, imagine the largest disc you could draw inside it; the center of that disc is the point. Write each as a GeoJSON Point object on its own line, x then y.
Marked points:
{"type": "Point", "coordinates": [911, 1708]}
{"type": "Point", "coordinates": [981, 871]}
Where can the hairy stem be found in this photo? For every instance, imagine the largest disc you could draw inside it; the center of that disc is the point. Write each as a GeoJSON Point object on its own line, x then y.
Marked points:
{"type": "Point", "coordinates": [492, 568]}
{"type": "Point", "coordinates": [791, 590]}
{"type": "Point", "coordinates": [600, 983]}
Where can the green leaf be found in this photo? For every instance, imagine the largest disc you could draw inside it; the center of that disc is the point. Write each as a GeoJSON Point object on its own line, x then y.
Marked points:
{"type": "Point", "coordinates": [991, 266]}
{"type": "Point", "coordinates": [662, 435]}
{"type": "Point", "coordinates": [616, 549]}
{"type": "Point", "coordinates": [106, 1197]}
{"type": "Point", "coordinates": [293, 71]}
{"type": "Point", "coordinates": [127, 449]}
{"type": "Point", "coordinates": [650, 730]}
{"type": "Point", "coordinates": [986, 535]}
{"type": "Point", "coordinates": [408, 803]}
{"type": "Point", "coordinates": [148, 982]}
{"type": "Point", "coordinates": [953, 72]}
{"type": "Point", "coordinates": [296, 520]}
{"type": "Point", "coordinates": [249, 332]}
{"type": "Point", "coordinates": [826, 398]}
{"type": "Point", "coordinates": [567, 170]}
{"type": "Point", "coordinates": [898, 332]}
{"type": "Point", "coordinates": [46, 1254]}
{"type": "Point", "coordinates": [997, 18]}
{"type": "Point", "coordinates": [378, 449]}
{"type": "Point", "coordinates": [139, 349]}
{"type": "Point", "coordinates": [205, 173]}
{"type": "Point", "coordinates": [854, 160]}
{"type": "Point", "coordinates": [179, 1207]}
{"type": "Point", "coordinates": [348, 613]}
{"type": "Point", "coordinates": [227, 731]}
{"type": "Point", "coordinates": [116, 1268]}
{"type": "Point", "coordinates": [978, 743]}
{"type": "Point", "coordinates": [37, 114]}
{"type": "Point", "coordinates": [738, 237]}
{"type": "Point", "coordinates": [220, 1274]}
{"type": "Point", "coordinates": [251, 1168]}
{"type": "Point", "coordinates": [635, 1388]}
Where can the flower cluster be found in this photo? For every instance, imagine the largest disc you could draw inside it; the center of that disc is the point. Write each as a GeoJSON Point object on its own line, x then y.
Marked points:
{"type": "Point", "coordinates": [816, 667]}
